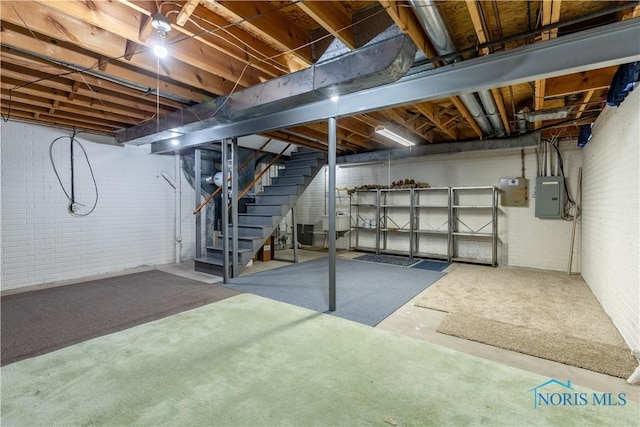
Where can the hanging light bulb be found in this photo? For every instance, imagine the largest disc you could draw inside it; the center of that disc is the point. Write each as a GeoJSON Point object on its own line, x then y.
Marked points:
{"type": "Point", "coordinates": [162, 24]}
{"type": "Point", "coordinates": [160, 50]}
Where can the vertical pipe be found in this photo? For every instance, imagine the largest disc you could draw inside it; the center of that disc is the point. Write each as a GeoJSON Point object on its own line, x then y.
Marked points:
{"type": "Point", "coordinates": [294, 221]}
{"type": "Point", "coordinates": [225, 213]}
{"type": "Point", "coordinates": [73, 197]}
{"type": "Point", "coordinates": [235, 269]}
{"type": "Point", "coordinates": [178, 203]}
{"type": "Point", "coordinates": [332, 214]}
{"type": "Point", "coordinates": [197, 185]}
{"type": "Point", "coordinates": [494, 251]}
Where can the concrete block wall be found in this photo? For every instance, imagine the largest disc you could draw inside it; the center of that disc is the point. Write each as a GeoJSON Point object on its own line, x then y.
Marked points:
{"type": "Point", "coordinates": [132, 225]}
{"type": "Point", "coordinates": [524, 239]}
{"type": "Point", "coordinates": [611, 212]}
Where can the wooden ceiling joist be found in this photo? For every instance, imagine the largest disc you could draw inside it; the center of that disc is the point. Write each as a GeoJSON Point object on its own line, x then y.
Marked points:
{"type": "Point", "coordinates": [333, 17]}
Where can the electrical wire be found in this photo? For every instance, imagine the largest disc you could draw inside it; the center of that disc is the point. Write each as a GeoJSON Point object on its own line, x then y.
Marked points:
{"type": "Point", "coordinates": [109, 60]}
{"type": "Point", "coordinates": [72, 202]}
{"type": "Point", "coordinates": [570, 209]}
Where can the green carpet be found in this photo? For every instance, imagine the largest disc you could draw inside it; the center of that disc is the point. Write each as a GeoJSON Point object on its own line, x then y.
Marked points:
{"type": "Point", "coordinates": [252, 361]}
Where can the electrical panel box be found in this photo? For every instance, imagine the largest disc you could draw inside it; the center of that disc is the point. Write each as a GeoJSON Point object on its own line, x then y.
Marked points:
{"type": "Point", "coordinates": [514, 191]}
{"type": "Point", "coordinates": [550, 196]}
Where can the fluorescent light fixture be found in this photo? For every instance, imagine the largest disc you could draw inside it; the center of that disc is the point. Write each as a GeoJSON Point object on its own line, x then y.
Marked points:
{"type": "Point", "coordinates": [393, 136]}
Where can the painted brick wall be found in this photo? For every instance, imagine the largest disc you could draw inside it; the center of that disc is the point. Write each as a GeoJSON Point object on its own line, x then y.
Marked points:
{"type": "Point", "coordinates": [132, 225]}
{"type": "Point", "coordinates": [525, 240]}
{"type": "Point", "coordinates": [611, 199]}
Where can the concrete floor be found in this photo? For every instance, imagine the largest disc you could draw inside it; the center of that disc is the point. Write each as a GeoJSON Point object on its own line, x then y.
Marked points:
{"type": "Point", "coordinates": [421, 323]}
{"type": "Point", "coordinates": [416, 322]}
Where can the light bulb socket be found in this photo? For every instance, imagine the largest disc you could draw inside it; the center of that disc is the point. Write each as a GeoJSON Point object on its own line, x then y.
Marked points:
{"type": "Point", "coordinates": [161, 22]}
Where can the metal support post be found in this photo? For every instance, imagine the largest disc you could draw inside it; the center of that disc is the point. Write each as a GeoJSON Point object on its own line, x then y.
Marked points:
{"type": "Point", "coordinates": [197, 186]}
{"type": "Point", "coordinates": [295, 233]}
{"type": "Point", "coordinates": [332, 214]}
{"type": "Point", "coordinates": [225, 213]}
{"type": "Point", "coordinates": [235, 269]}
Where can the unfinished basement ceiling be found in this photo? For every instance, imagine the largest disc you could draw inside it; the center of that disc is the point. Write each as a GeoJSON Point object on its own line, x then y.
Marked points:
{"type": "Point", "coordinates": [89, 64]}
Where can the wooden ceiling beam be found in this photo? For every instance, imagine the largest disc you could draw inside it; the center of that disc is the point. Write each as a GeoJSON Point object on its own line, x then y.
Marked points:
{"type": "Point", "coordinates": [297, 140]}
{"type": "Point", "coordinates": [118, 18]}
{"type": "Point", "coordinates": [80, 118]}
{"type": "Point", "coordinates": [428, 110]}
{"type": "Point", "coordinates": [80, 101]}
{"type": "Point", "coordinates": [11, 79]}
{"type": "Point", "coordinates": [343, 134]}
{"type": "Point", "coordinates": [18, 63]}
{"type": "Point", "coordinates": [69, 107]}
{"type": "Point", "coordinates": [580, 82]}
{"type": "Point", "coordinates": [229, 40]}
{"type": "Point", "coordinates": [585, 101]}
{"type": "Point", "coordinates": [321, 135]}
{"type": "Point", "coordinates": [333, 17]}
{"type": "Point", "coordinates": [14, 35]}
{"type": "Point", "coordinates": [186, 11]}
{"type": "Point", "coordinates": [55, 121]}
{"type": "Point", "coordinates": [467, 116]}
{"type": "Point", "coordinates": [260, 19]}
{"type": "Point", "coordinates": [550, 15]}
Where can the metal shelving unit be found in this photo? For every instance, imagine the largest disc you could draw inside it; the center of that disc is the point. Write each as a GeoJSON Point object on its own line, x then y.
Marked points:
{"type": "Point", "coordinates": [474, 224]}
{"type": "Point", "coordinates": [396, 221]}
{"type": "Point", "coordinates": [365, 207]}
{"type": "Point", "coordinates": [431, 222]}
{"type": "Point", "coordinates": [451, 223]}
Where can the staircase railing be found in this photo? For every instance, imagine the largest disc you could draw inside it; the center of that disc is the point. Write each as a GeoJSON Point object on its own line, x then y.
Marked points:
{"type": "Point", "coordinates": [244, 165]}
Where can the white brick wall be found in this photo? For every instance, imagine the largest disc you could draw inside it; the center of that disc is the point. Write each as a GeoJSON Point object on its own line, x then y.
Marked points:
{"type": "Point", "coordinates": [132, 225]}
{"type": "Point", "coordinates": [525, 240]}
{"type": "Point", "coordinates": [611, 213]}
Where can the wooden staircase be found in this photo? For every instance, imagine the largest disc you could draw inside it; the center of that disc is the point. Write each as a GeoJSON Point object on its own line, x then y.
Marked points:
{"type": "Point", "coordinates": [262, 217]}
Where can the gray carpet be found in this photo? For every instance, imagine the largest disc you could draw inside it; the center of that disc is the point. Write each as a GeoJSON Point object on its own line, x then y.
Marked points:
{"type": "Point", "coordinates": [42, 321]}
{"type": "Point", "coordinates": [388, 259]}
{"type": "Point", "coordinates": [365, 292]}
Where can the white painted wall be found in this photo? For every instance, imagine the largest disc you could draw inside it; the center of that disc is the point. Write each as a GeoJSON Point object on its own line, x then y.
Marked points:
{"type": "Point", "coordinates": [611, 215]}
{"type": "Point", "coordinates": [132, 225]}
{"type": "Point", "coordinates": [525, 240]}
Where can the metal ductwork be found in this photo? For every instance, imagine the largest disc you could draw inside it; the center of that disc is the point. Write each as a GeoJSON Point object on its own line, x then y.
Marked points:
{"type": "Point", "coordinates": [375, 64]}
{"type": "Point", "coordinates": [492, 111]}
{"type": "Point", "coordinates": [440, 36]}
{"type": "Point", "coordinates": [475, 109]}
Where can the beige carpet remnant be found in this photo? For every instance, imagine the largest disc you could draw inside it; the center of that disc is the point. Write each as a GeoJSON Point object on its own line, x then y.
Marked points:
{"type": "Point", "coordinates": [541, 313]}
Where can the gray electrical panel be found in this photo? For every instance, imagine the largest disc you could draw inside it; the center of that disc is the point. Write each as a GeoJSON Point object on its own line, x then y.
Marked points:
{"type": "Point", "coordinates": [550, 196]}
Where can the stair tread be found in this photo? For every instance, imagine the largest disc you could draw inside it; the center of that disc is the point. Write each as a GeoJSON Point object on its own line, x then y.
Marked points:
{"type": "Point", "coordinates": [255, 214]}
{"type": "Point", "coordinates": [219, 248]}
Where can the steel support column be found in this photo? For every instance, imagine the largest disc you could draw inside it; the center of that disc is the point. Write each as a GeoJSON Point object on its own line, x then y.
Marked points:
{"type": "Point", "coordinates": [197, 184]}
{"type": "Point", "coordinates": [235, 267]}
{"type": "Point", "coordinates": [224, 207]}
{"type": "Point", "coordinates": [332, 213]}
{"type": "Point", "coordinates": [294, 221]}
